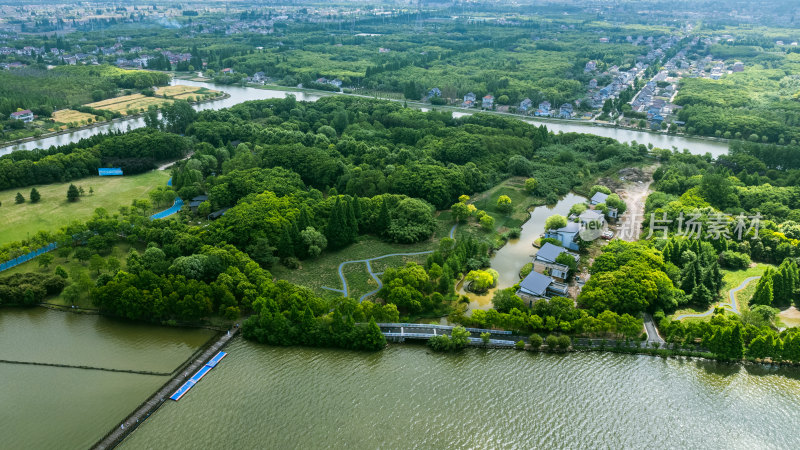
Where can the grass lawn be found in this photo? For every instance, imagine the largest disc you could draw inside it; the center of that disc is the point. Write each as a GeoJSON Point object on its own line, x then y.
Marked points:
{"type": "Point", "coordinates": [323, 271]}
{"type": "Point", "coordinates": [732, 279]}
{"type": "Point", "coordinates": [53, 211]}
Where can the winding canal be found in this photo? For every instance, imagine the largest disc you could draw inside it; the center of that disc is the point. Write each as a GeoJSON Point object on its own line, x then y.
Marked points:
{"type": "Point", "coordinates": [238, 94]}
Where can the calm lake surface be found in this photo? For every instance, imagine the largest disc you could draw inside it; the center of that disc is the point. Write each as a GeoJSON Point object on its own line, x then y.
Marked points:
{"type": "Point", "coordinates": [407, 397]}
{"type": "Point", "coordinates": [55, 407]}
{"type": "Point", "coordinates": [240, 94]}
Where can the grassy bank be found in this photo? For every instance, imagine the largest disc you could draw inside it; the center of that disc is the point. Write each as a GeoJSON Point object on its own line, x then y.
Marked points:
{"type": "Point", "coordinates": [54, 211]}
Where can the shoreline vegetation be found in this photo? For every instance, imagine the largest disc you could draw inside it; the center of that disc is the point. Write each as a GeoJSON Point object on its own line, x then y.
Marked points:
{"type": "Point", "coordinates": [578, 345]}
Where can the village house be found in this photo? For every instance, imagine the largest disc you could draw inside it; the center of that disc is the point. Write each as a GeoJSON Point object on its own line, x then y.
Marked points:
{"type": "Point", "coordinates": [469, 100]}
{"type": "Point", "coordinates": [592, 219]}
{"type": "Point", "coordinates": [566, 111]}
{"type": "Point", "coordinates": [544, 109]}
{"type": "Point", "coordinates": [598, 197]}
{"type": "Point", "coordinates": [545, 261]}
{"type": "Point", "coordinates": [25, 116]}
{"type": "Point", "coordinates": [538, 286]}
{"type": "Point", "coordinates": [592, 84]}
{"type": "Point", "coordinates": [590, 66]}
{"type": "Point", "coordinates": [196, 201]}
{"type": "Point", "coordinates": [567, 236]}
{"type": "Point", "coordinates": [435, 92]}
{"type": "Point", "coordinates": [487, 102]}
{"type": "Point", "coordinates": [525, 105]}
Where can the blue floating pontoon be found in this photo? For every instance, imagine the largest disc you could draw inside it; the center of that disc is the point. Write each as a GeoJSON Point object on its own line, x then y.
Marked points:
{"type": "Point", "coordinates": [197, 376]}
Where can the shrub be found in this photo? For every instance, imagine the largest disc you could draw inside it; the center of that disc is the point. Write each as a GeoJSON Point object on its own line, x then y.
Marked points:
{"type": "Point", "coordinates": [536, 341]}
{"type": "Point", "coordinates": [730, 259]}
{"type": "Point", "coordinates": [564, 342]}
{"type": "Point", "coordinates": [520, 344]}
{"type": "Point", "coordinates": [552, 342]}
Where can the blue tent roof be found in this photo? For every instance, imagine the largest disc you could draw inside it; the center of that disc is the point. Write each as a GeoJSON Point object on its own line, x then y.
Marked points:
{"type": "Point", "coordinates": [549, 252]}
{"type": "Point", "coordinates": [535, 283]}
{"type": "Point", "coordinates": [109, 171]}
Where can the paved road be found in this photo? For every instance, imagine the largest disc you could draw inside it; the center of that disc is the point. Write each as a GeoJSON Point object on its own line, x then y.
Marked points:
{"type": "Point", "coordinates": [730, 305]}
{"type": "Point", "coordinates": [650, 329]}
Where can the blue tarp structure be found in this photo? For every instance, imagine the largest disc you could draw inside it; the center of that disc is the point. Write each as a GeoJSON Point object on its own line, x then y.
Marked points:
{"type": "Point", "coordinates": [27, 257]}
{"type": "Point", "coordinates": [109, 171]}
{"type": "Point", "coordinates": [168, 212]}
{"type": "Point", "coordinates": [197, 376]}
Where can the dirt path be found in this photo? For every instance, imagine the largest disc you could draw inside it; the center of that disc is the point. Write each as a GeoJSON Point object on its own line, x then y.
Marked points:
{"type": "Point", "coordinates": [634, 192]}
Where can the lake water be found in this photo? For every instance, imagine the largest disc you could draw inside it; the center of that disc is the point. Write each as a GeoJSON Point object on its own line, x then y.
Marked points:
{"type": "Point", "coordinates": [55, 407]}
{"type": "Point", "coordinates": [238, 94]}
{"type": "Point", "coordinates": [408, 397]}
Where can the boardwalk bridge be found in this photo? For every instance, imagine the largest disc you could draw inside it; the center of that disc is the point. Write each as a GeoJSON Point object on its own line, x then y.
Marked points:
{"type": "Point", "coordinates": [400, 332]}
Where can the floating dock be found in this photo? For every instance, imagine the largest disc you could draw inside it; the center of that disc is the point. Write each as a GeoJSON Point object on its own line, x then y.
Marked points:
{"type": "Point", "coordinates": [197, 376]}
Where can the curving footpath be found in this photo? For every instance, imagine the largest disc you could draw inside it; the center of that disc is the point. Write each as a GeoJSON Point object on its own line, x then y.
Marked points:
{"type": "Point", "coordinates": [345, 290]}
{"type": "Point", "coordinates": [731, 305]}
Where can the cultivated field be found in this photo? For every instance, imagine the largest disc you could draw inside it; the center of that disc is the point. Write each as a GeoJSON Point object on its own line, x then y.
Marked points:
{"type": "Point", "coordinates": [140, 103]}
{"type": "Point", "coordinates": [72, 116]}
{"type": "Point", "coordinates": [122, 105]}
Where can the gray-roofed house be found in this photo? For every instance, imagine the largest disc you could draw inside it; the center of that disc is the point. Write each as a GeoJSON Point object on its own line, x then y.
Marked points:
{"type": "Point", "coordinates": [195, 203]}
{"type": "Point", "coordinates": [545, 261]}
{"type": "Point", "coordinates": [566, 235]}
{"type": "Point", "coordinates": [591, 215]}
{"type": "Point", "coordinates": [598, 197]}
{"type": "Point", "coordinates": [537, 285]}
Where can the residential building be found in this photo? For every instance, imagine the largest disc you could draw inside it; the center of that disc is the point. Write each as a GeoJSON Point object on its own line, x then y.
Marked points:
{"type": "Point", "coordinates": [487, 102]}
{"type": "Point", "coordinates": [469, 100]}
{"type": "Point", "coordinates": [525, 105]}
{"type": "Point", "coordinates": [435, 92]}
{"type": "Point", "coordinates": [539, 286]}
{"type": "Point", "coordinates": [545, 261]}
{"type": "Point", "coordinates": [598, 197]}
{"type": "Point", "coordinates": [567, 236]}
{"type": "Point", "coordinates": [25, 116]}
{"type": "Point", "coordinates": [544, 109]}
{"type": "Point", "coordinates": [566, 111]}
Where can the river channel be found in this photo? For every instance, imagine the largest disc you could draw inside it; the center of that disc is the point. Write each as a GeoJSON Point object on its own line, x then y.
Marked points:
{"type": "Point", "coordinates": [238, 94]}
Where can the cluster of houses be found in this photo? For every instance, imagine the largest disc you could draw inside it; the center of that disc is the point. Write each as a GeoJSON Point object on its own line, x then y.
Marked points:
{"type": "Point", "coordinates": [335, 82]}
{"type": "Point", "coordinates": [548, 277]}
{"type": "Point", "coordinates": [622, 80]}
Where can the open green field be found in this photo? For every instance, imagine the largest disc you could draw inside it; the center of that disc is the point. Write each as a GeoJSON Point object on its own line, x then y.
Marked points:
{"type": "Point", "coordinates": [54, 211]}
